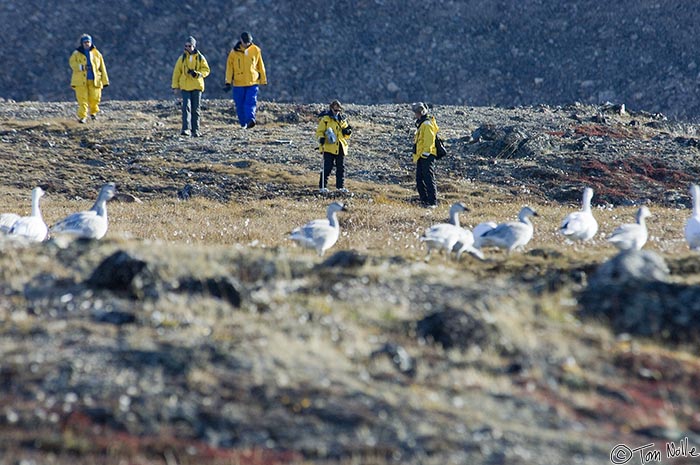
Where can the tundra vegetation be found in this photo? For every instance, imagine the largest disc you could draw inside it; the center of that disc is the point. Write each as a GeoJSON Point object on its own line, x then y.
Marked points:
{"type": "Point", "coordinates": [196, 332]}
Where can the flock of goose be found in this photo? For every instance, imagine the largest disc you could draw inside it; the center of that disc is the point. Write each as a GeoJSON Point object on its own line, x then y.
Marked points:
{"type": "Point", "coordinates": [451, 238]}
{"type": "Point", "coordinates": [89, 224]}
{"type": "Point", "coordinates": [320, 235]}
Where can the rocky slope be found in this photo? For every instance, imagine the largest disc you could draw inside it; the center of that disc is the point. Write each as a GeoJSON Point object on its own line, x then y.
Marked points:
{"type": "Point", "coordinates": [480, 52]}
{"type": "Point", "coordinates": [153, 347]}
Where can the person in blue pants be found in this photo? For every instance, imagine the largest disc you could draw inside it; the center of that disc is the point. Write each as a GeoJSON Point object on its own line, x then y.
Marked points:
{"type": "Point", "coordinates": [245, 70]}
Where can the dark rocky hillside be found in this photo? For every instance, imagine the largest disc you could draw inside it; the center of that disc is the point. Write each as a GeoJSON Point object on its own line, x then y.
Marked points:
{"type": "Point", "coordinates": [643, 53]}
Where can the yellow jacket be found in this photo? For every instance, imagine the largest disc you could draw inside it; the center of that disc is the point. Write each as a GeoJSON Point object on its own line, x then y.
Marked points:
{"type": "Point", "coordinates": [78, 63]}
{"type": "Point", "coordinates": [424, 139]}
{"type": "Point", "coordinates": [337, 126]}
{"type": "Point", "coordinates": [245, 66]}
{"type": "Point", "coordinates": [182, 79]}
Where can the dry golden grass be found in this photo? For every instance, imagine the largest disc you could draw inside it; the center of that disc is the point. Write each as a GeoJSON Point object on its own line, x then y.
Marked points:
{"type": "Point", "coordinates": [380, 220]}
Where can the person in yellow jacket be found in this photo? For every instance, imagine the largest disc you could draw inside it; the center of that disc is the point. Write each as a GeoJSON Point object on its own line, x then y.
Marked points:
{"type": "Point", "coordinates": [188, 78]}
{"type": "Point", "coordinates": [333, 132]}
{"type": "Point", "coordinates": [246, 71]}
{"type": "Point", "coordinates": [424, 154]}
{"type": "Point", "coordinates": [89, 77]}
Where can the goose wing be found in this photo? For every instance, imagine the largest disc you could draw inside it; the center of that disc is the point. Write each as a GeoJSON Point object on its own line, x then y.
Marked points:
{"type": "Point", "coordinates": [579, 225]}
{"type": "Point", "coordinates": [316, 234]}
{"type": "Point", "coordinates": [87, 224]}
{"type": "Point", "coordinates": [692, 232]}
{"type": "Point", "coordinates": [442, 235]}
{"type": "Point", "coordinates": [628, 236]}
{"type": "Point", "coordinates": [32, 228]}
{"type": "Point", "coordinates": [7, 220]}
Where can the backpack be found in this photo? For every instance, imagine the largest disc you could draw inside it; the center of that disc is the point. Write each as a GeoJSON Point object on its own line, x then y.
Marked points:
{"type": "Point", "coordinates": [441, 151]}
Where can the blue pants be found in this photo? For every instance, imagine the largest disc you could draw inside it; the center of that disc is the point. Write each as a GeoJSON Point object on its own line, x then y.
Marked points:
{"type": "Point", "coordinates": [246, 100]}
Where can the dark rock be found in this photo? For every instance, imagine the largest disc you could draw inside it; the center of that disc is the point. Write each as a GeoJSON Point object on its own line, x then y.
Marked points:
{"type": "Point", "coordinates": [455, 329]}
{"type": "Point", "coordinates": [345, 259]}
{"type": "Point", "coordinates": [631, 266]}
{"type": "Point", "coordinates": [122, 273]}
{"type": "Point", "coordinates": [223, 288]}
{"type": "Point", "coordinates": [117, 318]}
{"type": "Point", "coordinates": [631, 291]}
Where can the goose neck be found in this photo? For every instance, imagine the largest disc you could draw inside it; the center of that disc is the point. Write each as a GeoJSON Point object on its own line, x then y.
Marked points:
{"type": "Point", "coordinates": [35, 206]}
{"type": "Point", "coordinates": [333, 219]}
{"type": "Point", "coordinates": [454, 218]}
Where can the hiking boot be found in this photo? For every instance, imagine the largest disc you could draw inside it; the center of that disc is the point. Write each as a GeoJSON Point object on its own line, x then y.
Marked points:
{"type": "Point", "coordinates": [93, 117]}
{"type": "Point", "coordinates": [343, 190]}
{"type": "Point", "coordinates": [186, 132]}
{"type": "Point", "coordinates": [82, 120]}
{"type": "Point", "coordinates": [251, 124]}
{"type": "Point", "coordinates": [196, 134]}
{"type": "Point", "coordinates": [323, 190]}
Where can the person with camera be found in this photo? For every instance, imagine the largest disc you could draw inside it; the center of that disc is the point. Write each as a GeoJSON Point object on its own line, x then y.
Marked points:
{"type": "Point", "coordinates": [88, 79]}
{"type": "Point", "coordinates": [424, 154]}
{"type": "Point", "coordinates": [245, 69]}
{"type": "Point", "coordinates": [188, 78]}
{"type": "Point", "coordinates": [333, 133]}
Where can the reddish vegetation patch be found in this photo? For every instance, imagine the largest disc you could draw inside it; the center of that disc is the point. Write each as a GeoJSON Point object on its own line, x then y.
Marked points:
{"type": "Point", "coordinates": [597, 130]}
{"type": "Point", "coordinates": [79, 434]}
{"type": "Point", "coordinates": [650, 390]}
{"type": "Point", "coordinates": [661, 388]}
{"type": "Point", "coordinates": [623, 179]}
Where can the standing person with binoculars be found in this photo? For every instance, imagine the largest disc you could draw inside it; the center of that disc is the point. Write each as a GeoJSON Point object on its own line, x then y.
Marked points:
{"type": "Point", "coordinates": [333, 132]}
{"type": "Point", "coordinates": [188, 77]}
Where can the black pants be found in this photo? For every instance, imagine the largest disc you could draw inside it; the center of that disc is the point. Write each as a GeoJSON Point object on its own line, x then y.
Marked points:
{"type": "Point", "coordinates": [330, 160]}
{"type": "Point", "coordinates": [190, 110]}
{"type": "Point", "coordinates": [425, 180]}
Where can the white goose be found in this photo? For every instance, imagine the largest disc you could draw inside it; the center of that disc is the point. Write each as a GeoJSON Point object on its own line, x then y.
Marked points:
{"type": "Point", "coordinates": [481, 228]}
{"type": "Point", "coordinates": [32, 227]}
{"type": "Point", "coordinates": [91, 224]}
{"type": "Point", "coordinates": [321, 234]}
{"type": "Point", "coordinates": [581, 225]}
{"type": "Point", "coordinates": [7, 220]}
{"type": "Point", "coordinates": [511, 235]}
{"type": "Point", "coordinates": [692, 226]}
{"type": "Point", "coordinates": [632, 236]}
{"type": "Point", "coordinates": [450, 236]}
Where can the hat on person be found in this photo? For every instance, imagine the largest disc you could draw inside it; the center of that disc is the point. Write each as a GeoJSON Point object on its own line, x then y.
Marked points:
{"type": "Point", "coordinates": [419, 107]}
{"type": "Point", "coordinates": [246, 38]}
{"type": "Point", "coordinates": [85, 38]}
{"type": "Point", "coordinates": [191, 40]}
{"type": "Point", "coordinates": [336, 103]}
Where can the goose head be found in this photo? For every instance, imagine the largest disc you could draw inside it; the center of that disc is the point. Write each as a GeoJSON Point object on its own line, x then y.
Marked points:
{"type": "Point", "coordinates": [525, 213]}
